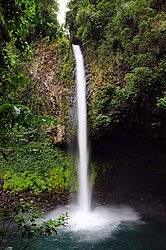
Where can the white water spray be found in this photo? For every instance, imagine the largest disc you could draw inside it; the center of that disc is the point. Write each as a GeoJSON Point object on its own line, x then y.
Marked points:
{"type": "Point", "coordinates": [83, 193]}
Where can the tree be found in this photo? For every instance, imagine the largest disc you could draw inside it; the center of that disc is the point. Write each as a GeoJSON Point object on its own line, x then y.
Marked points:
{"type": "Point", "coordinates": [23, 216]}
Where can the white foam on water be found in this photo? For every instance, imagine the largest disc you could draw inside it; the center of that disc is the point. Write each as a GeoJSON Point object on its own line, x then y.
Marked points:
{"type": "Point", "coordinates": [98, 224]}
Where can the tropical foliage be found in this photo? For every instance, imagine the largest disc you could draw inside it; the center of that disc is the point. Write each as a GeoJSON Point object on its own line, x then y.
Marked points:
{"type": "Point", "coordinates": [125, 51]}
{"type": "Point", "coordinates": [28, 160]}
{"type": "Point", "coordinates": [20, 22]}
{"type": "Point", "coordinates": [35, 166]}
{"type": "Point", "coordinates": [23, 216]}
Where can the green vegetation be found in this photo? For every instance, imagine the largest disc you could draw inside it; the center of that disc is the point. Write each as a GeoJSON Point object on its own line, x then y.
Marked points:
{"type": "Point", "coordinates": [124, 43]}
{"type": "Point", "coordinates": [19, 21]}
{"type": "Point", "coordinates": [125, 54]}
{"type": "Point", "coordinates": [35, 166]}
{"type": "Point", "coordinates": [23, 217]}
{"type": "Point", "coordinates": [28, 160]}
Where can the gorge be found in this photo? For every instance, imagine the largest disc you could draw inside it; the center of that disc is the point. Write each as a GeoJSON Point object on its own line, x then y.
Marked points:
{"type": "Point", "coordinates": [115, 71]}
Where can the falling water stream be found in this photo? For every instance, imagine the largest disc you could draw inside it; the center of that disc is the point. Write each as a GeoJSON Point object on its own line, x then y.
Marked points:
{"type": "Point", "coordinates": [83, 193]}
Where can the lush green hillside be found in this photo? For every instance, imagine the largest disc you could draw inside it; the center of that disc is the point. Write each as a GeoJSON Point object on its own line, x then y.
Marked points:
{"type": "Point", "coordinates": [32, 46]}
{"type": "Point", "coordinates": [124, 43]}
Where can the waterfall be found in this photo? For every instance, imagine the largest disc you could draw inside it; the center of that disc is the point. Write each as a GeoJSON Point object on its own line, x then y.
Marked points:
{"type": "Point", "coordinates": [83, 191]}
{"type": "Point", "coordinates": [103, 220]}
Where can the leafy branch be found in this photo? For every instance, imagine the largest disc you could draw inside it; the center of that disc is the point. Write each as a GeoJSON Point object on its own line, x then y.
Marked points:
{"type": "Point", "coordinates": [24, 216]}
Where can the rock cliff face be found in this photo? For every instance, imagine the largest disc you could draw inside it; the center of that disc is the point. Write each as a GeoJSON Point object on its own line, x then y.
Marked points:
{"type": "Point", "coordinates": [51, 69]}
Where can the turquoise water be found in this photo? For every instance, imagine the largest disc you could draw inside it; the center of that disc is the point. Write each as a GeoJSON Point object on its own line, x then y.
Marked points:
{"type": "Point", "coordinates": [127, 236]}
{"type": "Point", "coordinates": [147, 234]}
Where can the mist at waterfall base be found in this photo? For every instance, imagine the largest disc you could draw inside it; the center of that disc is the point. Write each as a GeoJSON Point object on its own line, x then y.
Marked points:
{"type": "Point", "coordinates": [100, 222]}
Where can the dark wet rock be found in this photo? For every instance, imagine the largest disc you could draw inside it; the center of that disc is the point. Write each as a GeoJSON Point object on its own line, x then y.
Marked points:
{"type": "Point", "coordinates": [143, 203]}
{"type": "Point", "coordinates": [44, 201]}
